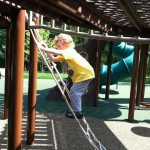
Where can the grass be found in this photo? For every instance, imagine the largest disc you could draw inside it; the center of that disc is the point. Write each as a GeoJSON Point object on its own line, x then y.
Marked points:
{"type": "Point", "coordinates": [129, 80]}
{"type": "Point", "coordinates": [45, 75]}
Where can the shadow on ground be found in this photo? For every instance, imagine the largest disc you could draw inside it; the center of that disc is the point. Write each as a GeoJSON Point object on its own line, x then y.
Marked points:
{"type": "Point", "coordinates": [141, 131]}
{"type": "Point", "coordinates": [68, 133]}
{"type": "Point", "coordinates": [1, 106]}
{"type": "Point", "coordinates": [111, 92]}
{"type": "Point", "coordinates": [105, 110]}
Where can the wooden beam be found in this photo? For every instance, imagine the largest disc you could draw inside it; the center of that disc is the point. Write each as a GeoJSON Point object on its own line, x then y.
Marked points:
{"type": "Point", "coordinates": [90, 11]}
{"type": "Point", "coordinates": [53, 11]}
{"type": "Point", "coordinates": [73, 8]}
{"type": "Point", "coordinates": [4, 23]}
{"type": "Point", "coordinates": [130, 31]}
{"type": "Point", "coordinates": [130, 13]}
{"type": "Point", "coordinates": [96, 36]}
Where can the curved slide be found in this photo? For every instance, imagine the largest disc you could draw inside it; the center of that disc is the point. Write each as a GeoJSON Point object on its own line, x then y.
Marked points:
{"type": "Point", "coordinates": [122, 69]}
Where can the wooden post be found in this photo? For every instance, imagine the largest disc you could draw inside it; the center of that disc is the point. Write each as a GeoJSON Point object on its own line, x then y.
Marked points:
{"type": "Point", "coordinates": [97, 72]}
{"type": "Point", "coordinates": [7, 74]}
{"type": "Point", "coordinates": [32, 91]}
{"type": "Point", "coordinates": [17, 36]}
{"type": "Point", "coordinates": [146, 47]}
{"type": "Point", "coordinates": [140, 76]}
{"type": "Point", "coordinates": [109, 70]}
{"type": "Point", "coordinates": [133, 83]}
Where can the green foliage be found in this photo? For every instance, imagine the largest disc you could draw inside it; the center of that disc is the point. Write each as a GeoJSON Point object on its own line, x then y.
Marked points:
{"type": "Point", "coordinates": [148, 67]}
{"type": "Point", "coordinates": [48, 37]}
{"type": "Point", "coordinates": [2, 47]}
{"type": "Point", "coordinates": [78, 40]}
{"type": "Point", "coordinates": [45, 75]}
{"type": "Point", "coordinates": [26, 50]}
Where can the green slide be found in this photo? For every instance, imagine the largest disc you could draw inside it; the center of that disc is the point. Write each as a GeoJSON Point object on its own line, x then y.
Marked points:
{"type": "Point", "coordinates": [122, 69]}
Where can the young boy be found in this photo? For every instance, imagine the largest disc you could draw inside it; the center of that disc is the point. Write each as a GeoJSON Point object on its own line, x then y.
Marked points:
{"type": "Point", "coordinates": [80, 71]}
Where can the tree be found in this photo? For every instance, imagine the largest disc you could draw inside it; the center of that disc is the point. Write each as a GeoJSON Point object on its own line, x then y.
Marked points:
{"type": "Point", "coordinates": [46, 37]}
{"type": "Point", "coordinates": [2, 47]}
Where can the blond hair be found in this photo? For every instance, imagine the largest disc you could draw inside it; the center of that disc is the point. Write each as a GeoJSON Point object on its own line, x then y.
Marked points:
{"type": "Point", "coordinates": [66, 39]}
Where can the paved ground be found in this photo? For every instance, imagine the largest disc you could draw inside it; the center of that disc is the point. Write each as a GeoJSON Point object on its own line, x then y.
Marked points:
{"type": "Point", "coordinates": [54, 131]}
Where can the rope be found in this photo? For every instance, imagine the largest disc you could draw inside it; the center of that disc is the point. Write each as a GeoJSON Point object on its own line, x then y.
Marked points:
{"type": "Point", "coordinates": [51, 66]}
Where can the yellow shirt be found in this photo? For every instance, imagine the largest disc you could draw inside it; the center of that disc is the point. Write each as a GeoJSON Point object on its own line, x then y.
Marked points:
{"type": "Point", "coordinates": [82, 69]}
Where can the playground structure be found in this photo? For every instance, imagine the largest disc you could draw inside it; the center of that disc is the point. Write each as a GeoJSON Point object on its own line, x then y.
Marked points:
{"type": "Point", "coordinates": [124, 22]}
{"type": "Point", "coordinates": [122, 69]}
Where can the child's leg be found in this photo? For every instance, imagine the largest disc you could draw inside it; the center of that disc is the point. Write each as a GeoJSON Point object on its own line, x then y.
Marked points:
{"type": "Point", "coordinates": [76, 92]}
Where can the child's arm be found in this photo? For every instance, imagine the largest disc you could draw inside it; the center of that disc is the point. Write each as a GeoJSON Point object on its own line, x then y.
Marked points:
{"type": "Point", "coordinates": [52, 57]}
{"type": "Point", "coordinates": [50, 52]}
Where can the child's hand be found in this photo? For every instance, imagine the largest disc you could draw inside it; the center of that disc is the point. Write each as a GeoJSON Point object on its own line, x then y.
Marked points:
{"type": "Point", "coordinates": [39, 45]}
{"type": "Point", "coordinates": [44, 44]}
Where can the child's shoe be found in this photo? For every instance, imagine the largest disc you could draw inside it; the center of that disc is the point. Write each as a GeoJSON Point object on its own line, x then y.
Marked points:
{"type": "Point", "coordinates": [69, 114]}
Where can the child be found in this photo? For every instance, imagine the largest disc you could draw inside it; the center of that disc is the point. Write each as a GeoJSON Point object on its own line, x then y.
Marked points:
{"type": "Point", "coordinates": [80, 71]}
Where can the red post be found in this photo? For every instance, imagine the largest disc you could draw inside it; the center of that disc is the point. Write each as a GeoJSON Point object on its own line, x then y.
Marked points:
{"type": "Point", "coordinates": [32, 91]}
{"type": "Point", "coordinates": [134, 83]}
{"type": "Point", "coordinates": [17, 36]}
